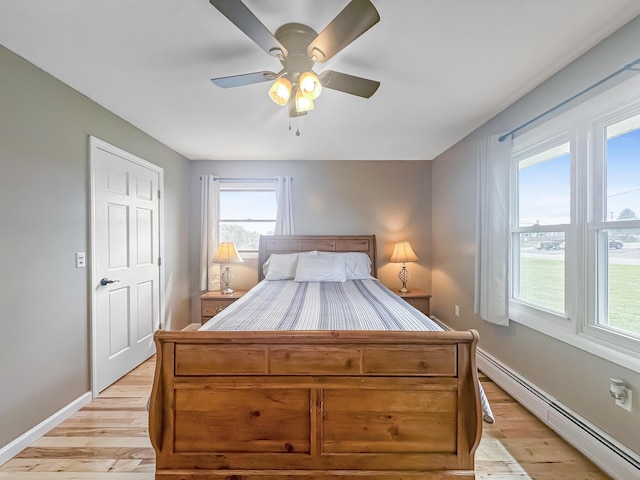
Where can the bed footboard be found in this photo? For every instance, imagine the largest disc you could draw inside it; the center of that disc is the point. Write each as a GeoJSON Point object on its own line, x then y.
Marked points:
{"type": "Point", "coordinates": [315, 405]}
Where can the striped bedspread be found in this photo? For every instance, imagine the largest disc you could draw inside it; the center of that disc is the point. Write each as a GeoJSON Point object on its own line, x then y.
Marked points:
{"type": "Point", "coordinates": [350, 305]}
{"type": "Point", "coordinates": [289, 305]}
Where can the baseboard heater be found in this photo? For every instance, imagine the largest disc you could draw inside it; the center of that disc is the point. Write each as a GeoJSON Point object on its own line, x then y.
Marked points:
{"type": "Point", "coordinates": [610, 455]}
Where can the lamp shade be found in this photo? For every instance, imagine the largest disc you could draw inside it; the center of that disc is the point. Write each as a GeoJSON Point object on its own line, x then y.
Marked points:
{"type": "Point", "coordinates": [403, 253]}
{"type": "Point", "coordinates": [227, 253]}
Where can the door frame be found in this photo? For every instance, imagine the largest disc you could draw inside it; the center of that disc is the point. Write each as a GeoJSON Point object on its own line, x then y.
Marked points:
{"type": "Point", "coordinates": [97, 144]}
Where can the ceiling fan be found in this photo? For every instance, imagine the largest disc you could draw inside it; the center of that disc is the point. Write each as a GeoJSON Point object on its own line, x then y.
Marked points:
{"type": "Point", "coordinates": [299, 47]}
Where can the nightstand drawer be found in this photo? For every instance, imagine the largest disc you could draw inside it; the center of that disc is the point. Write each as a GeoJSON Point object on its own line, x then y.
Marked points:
{"type": "Point", "coordinates": [418, 299]}
{"type": "Point", "coordinates": [421, 304]}
{"type": "Point", "coordinates": [213, 307]}
{"type": "Point", "coordinates": [212, 303]}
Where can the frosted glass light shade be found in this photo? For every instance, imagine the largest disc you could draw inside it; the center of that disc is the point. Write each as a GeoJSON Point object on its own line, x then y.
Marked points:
{"type": "Point", "coordinates": [310, 85]}
{"type": "Point", "coordinates": [303, 104]}
{"type": "Point", "coordinates": [280, 91]}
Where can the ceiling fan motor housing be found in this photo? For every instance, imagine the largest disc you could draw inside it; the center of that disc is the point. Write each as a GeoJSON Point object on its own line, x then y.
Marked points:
{"type": "Point", "coordinates": [296, 37]}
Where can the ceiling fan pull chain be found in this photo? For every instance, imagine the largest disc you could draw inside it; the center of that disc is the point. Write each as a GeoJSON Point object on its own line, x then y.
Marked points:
{"type": "Point", "coordinates": [297, 127]}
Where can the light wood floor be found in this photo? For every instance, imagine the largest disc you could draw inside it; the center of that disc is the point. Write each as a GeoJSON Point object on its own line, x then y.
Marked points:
{"type": "Point", "coordinates": [108, 440]}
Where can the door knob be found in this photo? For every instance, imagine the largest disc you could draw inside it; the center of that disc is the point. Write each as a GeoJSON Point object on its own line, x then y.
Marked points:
{"type": "Point", "coordinates": [106, 281]}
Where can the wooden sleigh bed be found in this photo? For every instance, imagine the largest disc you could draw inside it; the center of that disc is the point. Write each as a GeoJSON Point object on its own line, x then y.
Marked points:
{"type": "Point", "coordinates": [320, 405]}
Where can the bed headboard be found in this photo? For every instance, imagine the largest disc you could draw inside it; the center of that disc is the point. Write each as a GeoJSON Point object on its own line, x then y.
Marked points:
{"type": "Point", "coordinates": [327, 243]}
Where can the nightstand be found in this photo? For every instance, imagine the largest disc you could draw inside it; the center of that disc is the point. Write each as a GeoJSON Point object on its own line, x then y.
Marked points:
{"type": "Point", "coordinates": [212, 303]}
{"type": "Point", "coordinates": [417, 298]}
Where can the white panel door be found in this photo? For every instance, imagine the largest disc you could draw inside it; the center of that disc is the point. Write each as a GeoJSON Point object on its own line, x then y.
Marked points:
{"type": "Point", "coordinates": [126, 273]}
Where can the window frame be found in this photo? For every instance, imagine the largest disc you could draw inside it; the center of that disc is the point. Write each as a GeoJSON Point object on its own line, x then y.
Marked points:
{"type": "Point", "coordinates": [522, 311]}
{"type": "Point", "coordinates": [585, 236]}
{"type": "Point", "coordinates": [598, 225]}
{"type": "Point", "coordinates": [250, 186]}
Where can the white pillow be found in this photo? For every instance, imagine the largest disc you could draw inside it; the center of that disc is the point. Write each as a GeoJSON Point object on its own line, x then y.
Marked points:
{"type": "Point", "coordinates": [357, 264]}
{"type": "Point", "coordinates": [282, 266]}
{"type": "Point", "coordinates": [320, 269]}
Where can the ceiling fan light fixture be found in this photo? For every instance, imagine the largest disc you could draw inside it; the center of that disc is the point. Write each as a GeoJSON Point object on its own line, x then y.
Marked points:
{"type": "Point", "coordinates": [310, 85]}
{"type": "Point", "coordinates": [303, 104]}
{"type": "Point", "coordinates": [280, 91]}
{"type": "Point", "coordinates": [299, 47]}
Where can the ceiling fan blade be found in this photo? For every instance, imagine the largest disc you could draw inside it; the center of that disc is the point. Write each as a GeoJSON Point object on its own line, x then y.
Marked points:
{"type": "Point", "coordinates": [343, 82]}
{"type": "Point", "coordinates": [356, 18]}
{"type": "Point", "coordinates": [244, 79]}
{"type": "Point", "coordinates": [245, 20]}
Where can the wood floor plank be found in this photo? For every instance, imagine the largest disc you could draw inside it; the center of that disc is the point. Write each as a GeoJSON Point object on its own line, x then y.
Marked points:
{"type": "Point", "coordinates": [101, 441]}
{"type": "Point", "coordinates": [105, 422]}
{"type": "Point", "coordinates": [59, 464]}
{"type": "Point", "coordinates": [78, 476]}
{"type": "Point", "coordinates": [87, 452]}
{"type": "Point", "coordinates": [68, 431]}
{"type": "Point", "coordinates": [111, 413]}
{"type": "Point", "coordinates": [117, 403]}
{"type": "Point", "coordinates": [108, 440]}
{"type": "Point", "coordinates": [125, 391]}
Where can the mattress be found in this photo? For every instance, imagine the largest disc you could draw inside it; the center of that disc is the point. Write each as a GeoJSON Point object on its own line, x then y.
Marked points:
{"type": "Point", "coordinates": [364, 304]}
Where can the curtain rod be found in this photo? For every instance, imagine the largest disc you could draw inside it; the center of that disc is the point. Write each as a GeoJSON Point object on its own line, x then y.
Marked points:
{"type": "Point", "coordinates": [629, 66]}
{"type": "Point", "coordinates": [244, 179]}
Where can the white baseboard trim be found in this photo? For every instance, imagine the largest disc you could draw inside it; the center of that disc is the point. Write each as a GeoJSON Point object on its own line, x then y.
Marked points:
{"type": "Point", "coordinates": [611, 456]}
{"type": "Point", "coordinates": [23, 441]}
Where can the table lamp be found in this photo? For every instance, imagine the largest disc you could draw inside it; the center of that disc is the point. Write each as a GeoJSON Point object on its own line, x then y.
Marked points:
{"type": "Point", "coordinates": [403, 253]}
{"type": "Point", "coordinates": [225, 255]}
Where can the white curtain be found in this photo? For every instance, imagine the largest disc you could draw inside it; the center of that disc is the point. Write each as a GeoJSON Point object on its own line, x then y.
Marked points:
{"type": "Point", "coordinates": [209, 272]}
{"type": "Point", "coordinates": [284, 215]}
{"type": "Point", "coordinates": [491, 296]}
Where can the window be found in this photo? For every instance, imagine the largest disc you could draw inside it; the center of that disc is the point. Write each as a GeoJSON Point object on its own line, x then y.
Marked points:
{"type": "Point", "coordinates": [246, 212]}
{"type": "Point", "coordinates": [575, 226]}
{"type": "Point", "coordinates": [542, 217]}
{"type": "Point", "coordinates": [615, 226]}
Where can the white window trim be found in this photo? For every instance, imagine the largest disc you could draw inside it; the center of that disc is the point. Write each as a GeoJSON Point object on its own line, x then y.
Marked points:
{"type": "Point", "coordinates": [575, 328]}
{"type": "Point", "coordinates": [267, 186]}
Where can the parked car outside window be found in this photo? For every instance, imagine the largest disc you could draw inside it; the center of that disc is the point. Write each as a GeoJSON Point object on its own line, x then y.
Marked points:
{"type": "Point", "coordinates": [615, 244]}
{"type": "Point", "coordinates": [550, 245]}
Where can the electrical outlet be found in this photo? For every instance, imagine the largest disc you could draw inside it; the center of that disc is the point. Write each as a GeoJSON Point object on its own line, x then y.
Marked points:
{"type": "Point", "coordinates": [456, 310]}
{"type": "Point", "coordinates": [626, 403]}
{"type": "Point", "coordinates": [80, 260]}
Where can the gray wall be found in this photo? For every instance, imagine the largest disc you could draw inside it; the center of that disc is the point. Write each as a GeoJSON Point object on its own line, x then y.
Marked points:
{"type": "Point", "coordinates": [576, 378]}
{"type": "Point", "coordinates": [389, 199]}
{"type": "Point", "coordinates": [44, 219]}
{"type": "Point", "coordinates": [44, 195]}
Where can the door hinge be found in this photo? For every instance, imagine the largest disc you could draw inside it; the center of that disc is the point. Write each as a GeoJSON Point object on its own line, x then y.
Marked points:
{"type": "Point", "coordinates": [159, 261]}
{"type": "Point", "coordinates": [158, 193]}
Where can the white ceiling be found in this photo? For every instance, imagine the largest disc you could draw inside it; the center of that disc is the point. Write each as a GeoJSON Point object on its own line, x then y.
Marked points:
{"type": "Point", "coordinates": [445, 67]}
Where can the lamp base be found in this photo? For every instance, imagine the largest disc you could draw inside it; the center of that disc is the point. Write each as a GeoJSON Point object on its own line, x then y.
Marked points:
{"type": "Point", "coordinates": [226, 277]}
{"type": "Point", "coordinates": [404, 278]}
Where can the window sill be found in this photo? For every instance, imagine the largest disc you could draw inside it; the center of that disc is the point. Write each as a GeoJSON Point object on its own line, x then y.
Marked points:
{"type": "Point", "coordinates": [249, 255]}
